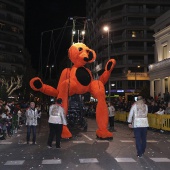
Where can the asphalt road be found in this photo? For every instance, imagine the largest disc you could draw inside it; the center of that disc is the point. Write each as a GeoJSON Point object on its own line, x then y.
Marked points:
{"type": "Point", "coordinates": [84, 152]}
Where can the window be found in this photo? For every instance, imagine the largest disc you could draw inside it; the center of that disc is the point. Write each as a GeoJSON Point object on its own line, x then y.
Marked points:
{"type": "Point", "coordinates": [14, 29]}
{"type": "Point", "coordinates": [164, 52]}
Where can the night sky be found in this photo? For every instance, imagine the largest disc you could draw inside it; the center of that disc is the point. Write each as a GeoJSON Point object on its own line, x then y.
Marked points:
{"type": "Point", "coordinates": [47, 15]}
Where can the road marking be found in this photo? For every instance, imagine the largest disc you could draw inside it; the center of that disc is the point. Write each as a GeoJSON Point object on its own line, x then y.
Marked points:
{"type": "Point", "coordinates": [5, 143]}
{"type": "Point", "coordinates": [88, 160]}
{"type": "Point", "coordinates": [160, 159]}
{"type": "Point", "coordinates": [16, 162]}
{"type": "Point", "coordinates": [51, 161]}
{"type": "Point", "coordinates": [86, 136]}
{"type": "Point", "coordinates": [152, 141]}
{"type": "Point", "coordinates": [125, 160]}
{"type": "Point", "coordinates": [126, 140]}
{"type": "Point", "coordinates": [78, 141]}
{"type": "Point", "coordinates": [100, 141]}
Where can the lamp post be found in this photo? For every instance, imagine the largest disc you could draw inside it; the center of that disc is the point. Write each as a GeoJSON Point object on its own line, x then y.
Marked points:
{"type": "Point", "coordinates": [50, 67]}
{"type": "Point", "coordinates": [106, 29]}
{"type": "Point", "coordinates": [135, 77]}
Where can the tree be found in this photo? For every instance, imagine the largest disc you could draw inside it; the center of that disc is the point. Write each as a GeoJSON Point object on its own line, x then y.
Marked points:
{"type": "Point", "coordinates": [11, 85]}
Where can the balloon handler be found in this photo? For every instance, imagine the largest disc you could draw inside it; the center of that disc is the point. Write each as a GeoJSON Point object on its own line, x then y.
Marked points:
{"type": "Point", "coordinates": [78, 80]}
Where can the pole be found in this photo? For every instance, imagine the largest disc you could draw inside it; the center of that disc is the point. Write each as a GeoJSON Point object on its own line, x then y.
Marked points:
{"type": "Point", "coordinates": [109, 59]}
{"type": "Point", "coordinates": [135, 81]}
{"type": "Point", "coordinates": [50, 72]}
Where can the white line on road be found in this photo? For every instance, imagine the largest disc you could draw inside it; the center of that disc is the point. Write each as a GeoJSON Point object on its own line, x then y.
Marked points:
{"type": "Point", "coordinates": [126, 140]}
{"type": "Point", "coordinates": [88, 160]}
{"type": "Point", "coordinates": [160, 159]}
{"type": "Point", "coordinates": [78, 141]}
{"type": "Point", "coordinates": [86, 136]}
{"type": "Point", "coordinates": [152, 141]}
{"type": "Point", "coordinates": [125, 160]}
{"type": "Point", "coordinates": [16, 162]}
{"type": "Point", "coordinates": [5, 143]}
{"type": "Point", "coordinates": [51, 161]}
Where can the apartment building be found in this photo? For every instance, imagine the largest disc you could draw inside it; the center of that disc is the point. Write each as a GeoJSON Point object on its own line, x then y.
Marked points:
{"type": "Point", "coordinates": [129, 40]}
{"type": "Point", "coordinates": [159, 71]}
{"type": "Point", "coordinates": [12, 37]}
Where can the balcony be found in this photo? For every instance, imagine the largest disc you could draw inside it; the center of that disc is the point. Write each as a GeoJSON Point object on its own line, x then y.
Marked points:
{"type": "Point", "coordinates": [160, 69]}
{"type": "Point", "coordinates": [159, 65]}
{"type": "Point", "coordinates": [137, 76]}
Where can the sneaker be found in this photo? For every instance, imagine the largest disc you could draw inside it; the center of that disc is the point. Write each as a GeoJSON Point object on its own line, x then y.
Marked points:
{"type": "Point", "coordinates": [139, 156]}
{"type": "Point", "coordinates": [49, 147]}
{"type": "Point", "coordinates": [34, 143]}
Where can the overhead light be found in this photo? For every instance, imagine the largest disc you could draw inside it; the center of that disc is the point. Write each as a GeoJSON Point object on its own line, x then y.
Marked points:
{"type": "Point", "coordinates": [73, 32]}
{"type": "Point", "coordinates": [83, 32]}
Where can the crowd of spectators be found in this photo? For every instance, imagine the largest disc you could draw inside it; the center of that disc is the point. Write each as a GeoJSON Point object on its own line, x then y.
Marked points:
{"type": "Point", "coordinates": [12, 117]}
{"type": "Point", "coordinates": [155, 106]}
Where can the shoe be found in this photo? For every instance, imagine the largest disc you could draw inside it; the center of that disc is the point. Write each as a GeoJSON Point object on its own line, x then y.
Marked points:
{"type": "Point", "coordinates": [49, 147]}
{"type": "Point", "coordinates": [34, 143]}
{"type": "Point", "coordinates": [139, 156]}
{"type": "Point", "coordinates": [58, 147]}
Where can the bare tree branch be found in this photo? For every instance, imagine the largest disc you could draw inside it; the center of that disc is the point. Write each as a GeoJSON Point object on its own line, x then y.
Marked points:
{"type": "Point", "coordinates": [12, 85]}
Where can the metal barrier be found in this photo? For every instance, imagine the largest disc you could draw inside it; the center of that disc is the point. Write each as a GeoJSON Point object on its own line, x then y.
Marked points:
{"type": "Point", "coordinates": [121, 116]}
{"type": "Point", "coordinates": [165, 122]}
{"type": "Point", "coordinates": [155, 121]}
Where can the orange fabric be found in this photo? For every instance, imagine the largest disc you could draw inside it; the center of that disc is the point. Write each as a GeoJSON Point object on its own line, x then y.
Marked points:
{"type": "Point", "coordinates": [78, 80]}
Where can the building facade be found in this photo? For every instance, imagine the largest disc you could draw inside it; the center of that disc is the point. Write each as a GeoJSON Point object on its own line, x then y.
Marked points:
{"type": "Point", "coordinates": [159, 71]}
{"type": "Point", "coordinates": [12, 43]}
{"type": "Point", "coordinates": [129, 39]}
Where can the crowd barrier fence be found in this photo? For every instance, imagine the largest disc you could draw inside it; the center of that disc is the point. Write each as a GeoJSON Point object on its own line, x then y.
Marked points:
{"type": "Point", "coordinates": [156, 121]}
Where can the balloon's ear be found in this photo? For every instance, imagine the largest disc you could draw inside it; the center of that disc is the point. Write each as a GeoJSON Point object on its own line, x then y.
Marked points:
{"type": "Point", "coordinates": [73, 52]}
{"type": "Point", "coordinates": [36, 83]}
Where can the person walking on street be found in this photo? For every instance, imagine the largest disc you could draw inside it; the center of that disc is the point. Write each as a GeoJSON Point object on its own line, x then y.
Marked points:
{"type": "Point", "coordinates": [31, 122]}
{"type": "Point", "coordinates": [138, 120]}
{"type": "Point", "coordinates": [56, 121]}
{"type": "Point", "coordinates": [111, 116]}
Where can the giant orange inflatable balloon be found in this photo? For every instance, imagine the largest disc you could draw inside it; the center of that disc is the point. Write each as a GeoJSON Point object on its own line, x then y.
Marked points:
{"type": "Point", "coordinates": [78, 80]}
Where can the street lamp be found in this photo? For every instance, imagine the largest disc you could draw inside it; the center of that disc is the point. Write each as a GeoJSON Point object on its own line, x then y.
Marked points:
{"type": "Point", "coordinates": [135, 77]}
{"type": "Point", "coordinates": [106, 29]}
{"type": "Point", "coordinates": [50, 67]}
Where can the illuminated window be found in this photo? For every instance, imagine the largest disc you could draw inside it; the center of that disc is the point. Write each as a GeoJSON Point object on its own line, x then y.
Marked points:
{"type": "Point", "coordinates": [133, 34]}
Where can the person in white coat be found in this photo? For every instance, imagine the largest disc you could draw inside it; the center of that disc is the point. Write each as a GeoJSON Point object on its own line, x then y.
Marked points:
{"type": "Point", "coordinates": [138, 120]}
{"type": "Point", "coordinates": [31, 122]}
{"type": "Point", "coordinates": [56, 121]}
{"type": "Point", "coordinates": [111, 110]}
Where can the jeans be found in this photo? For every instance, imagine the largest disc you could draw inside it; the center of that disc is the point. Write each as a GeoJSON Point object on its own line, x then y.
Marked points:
{"type": "Point", "coordinates": [111, 121]}
{"type": "Point", "coordinates": [140, 137]}
{"type": "Point", "coordinates": [33, 129]}
{"type": "Point", "coordinates": [55, 130]}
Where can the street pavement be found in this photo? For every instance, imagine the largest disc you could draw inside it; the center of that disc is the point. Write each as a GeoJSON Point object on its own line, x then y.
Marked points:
{"type": "Point", "coordinates": [84, 151]}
